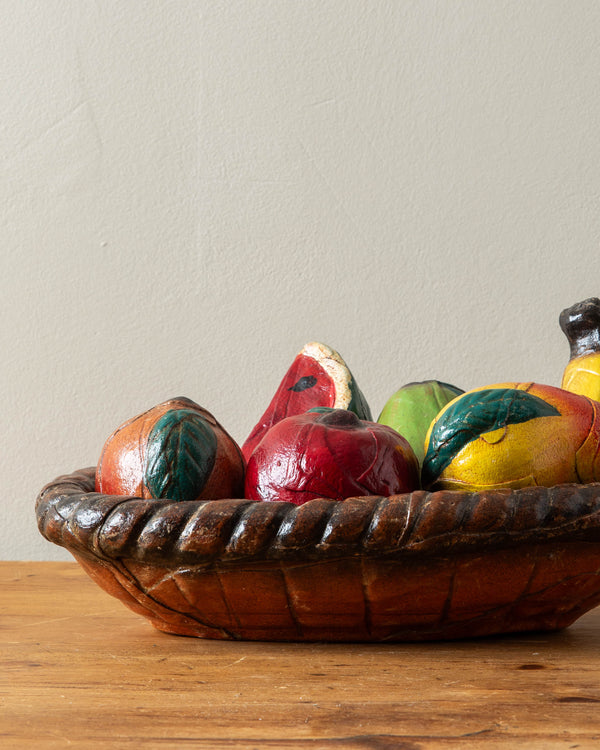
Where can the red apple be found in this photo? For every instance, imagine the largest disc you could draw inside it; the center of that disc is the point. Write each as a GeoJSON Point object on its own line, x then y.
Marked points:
{"type": "Point", "coordinates": [330, 453]}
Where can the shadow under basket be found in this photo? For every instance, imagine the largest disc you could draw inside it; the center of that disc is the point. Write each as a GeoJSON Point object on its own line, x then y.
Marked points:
{"type": "Point", "coordinates": [414, 567]}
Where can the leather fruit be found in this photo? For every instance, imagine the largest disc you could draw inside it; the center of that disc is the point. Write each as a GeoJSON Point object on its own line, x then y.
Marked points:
{"type": "Point", "coordinates": [318, 376]}
{"type": "Point", "coordinates": [175, 450]}
{"type": "Point", "coordinates": [330, 453]}
{"type": "Point", "coordinates": [581, 325]}
{"type": "Point", "coordinates": [513, 435]}
{"type": "Point", "coordinates": [411, 410]}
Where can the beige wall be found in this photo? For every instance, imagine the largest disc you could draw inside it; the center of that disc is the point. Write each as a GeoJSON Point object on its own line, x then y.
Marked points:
{"type": "Point", "coordinates": [191, 190]}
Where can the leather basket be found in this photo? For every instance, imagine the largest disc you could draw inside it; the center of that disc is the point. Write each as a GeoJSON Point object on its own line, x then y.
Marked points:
{"type": "Point", "coordinates": [413, 567]}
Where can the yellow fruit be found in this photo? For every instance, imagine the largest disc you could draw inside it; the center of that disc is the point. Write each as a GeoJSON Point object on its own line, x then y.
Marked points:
{"type": "Point", "coordinates": [582, 376]}
{"type": "Point", "coordinates": [513, 435]}
{"type": "Point", "coordinates": [581, 325]}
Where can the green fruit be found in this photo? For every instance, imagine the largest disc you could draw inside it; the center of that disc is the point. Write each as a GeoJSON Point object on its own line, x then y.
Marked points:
{"type": "Point", "coordinates": [412, 409]}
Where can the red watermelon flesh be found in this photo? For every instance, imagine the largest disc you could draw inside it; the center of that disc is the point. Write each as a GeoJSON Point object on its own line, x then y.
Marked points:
{"type": "Point", "coordinates": [318, 376]}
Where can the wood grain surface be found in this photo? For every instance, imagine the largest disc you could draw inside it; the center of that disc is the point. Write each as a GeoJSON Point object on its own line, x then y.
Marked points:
{"type": "Point", "coordinates": [78, 669]}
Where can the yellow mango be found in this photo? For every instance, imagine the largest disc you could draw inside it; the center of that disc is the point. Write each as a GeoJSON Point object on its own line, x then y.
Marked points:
{"type": "Point", "coordinates": [513, 435]}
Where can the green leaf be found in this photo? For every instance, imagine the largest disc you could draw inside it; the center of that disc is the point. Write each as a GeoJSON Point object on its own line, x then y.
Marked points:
{"type": "Point", "coordinates": [473, 415]}
{"type": "Point", "coordinates": [180, 455]}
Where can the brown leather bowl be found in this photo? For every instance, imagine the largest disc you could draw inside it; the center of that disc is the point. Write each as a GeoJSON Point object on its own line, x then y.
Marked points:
{"type": "Point", "coordinates": [413, 567]}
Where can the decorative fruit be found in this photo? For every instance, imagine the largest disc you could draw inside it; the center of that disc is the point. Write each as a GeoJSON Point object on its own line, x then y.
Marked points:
{"type": "Point", "coordinates": [318, 376]}
{"type": "Point", "coordinates": [330, 453]}
{"type": "Point", "coordinates": [513, 435]}
{"type": "Point", "coordinates": [413, 407]}
{"type": "Point", "coordinates": [581, 325]}
{"type": "Point", "coordinates": [175, 450]}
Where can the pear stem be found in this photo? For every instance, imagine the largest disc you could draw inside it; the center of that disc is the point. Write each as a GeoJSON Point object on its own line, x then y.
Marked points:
{"type": "Point", "coordinates": [581, 325]}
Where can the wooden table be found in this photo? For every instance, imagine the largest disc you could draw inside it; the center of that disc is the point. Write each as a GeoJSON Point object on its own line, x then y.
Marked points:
{"type": "Point", "coordinates": [78, 669]}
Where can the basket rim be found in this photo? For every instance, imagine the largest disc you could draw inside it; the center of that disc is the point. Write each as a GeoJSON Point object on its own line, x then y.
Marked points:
{"type": "Point", "coordinates": [229, 531]}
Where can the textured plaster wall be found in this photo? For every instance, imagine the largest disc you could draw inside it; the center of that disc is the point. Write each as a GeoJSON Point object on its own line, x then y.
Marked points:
{"type": "Point", "coordinates": [191, 190]}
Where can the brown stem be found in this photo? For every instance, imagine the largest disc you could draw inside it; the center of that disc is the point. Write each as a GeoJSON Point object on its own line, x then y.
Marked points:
{"type": "Point", "coordinates": [581, 325]}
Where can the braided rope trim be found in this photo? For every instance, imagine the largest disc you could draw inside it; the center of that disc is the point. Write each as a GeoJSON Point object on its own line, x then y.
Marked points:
{"type": "Point", "coordinates": [70, 514]}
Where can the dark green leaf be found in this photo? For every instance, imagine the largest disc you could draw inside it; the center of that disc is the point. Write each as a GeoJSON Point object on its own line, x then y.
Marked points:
{"type": "Point", "coordinates": [180, 455]}
{"type": "Point", "coordinates": [473, 415]}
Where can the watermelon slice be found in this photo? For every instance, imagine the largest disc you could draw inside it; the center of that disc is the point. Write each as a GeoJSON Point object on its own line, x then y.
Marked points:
{"type": "Point", "coordinates": [318, 376]}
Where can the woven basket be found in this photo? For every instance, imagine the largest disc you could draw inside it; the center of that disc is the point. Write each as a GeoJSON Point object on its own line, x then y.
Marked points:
{"type": "Point", "coordinates": [420, 566]}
